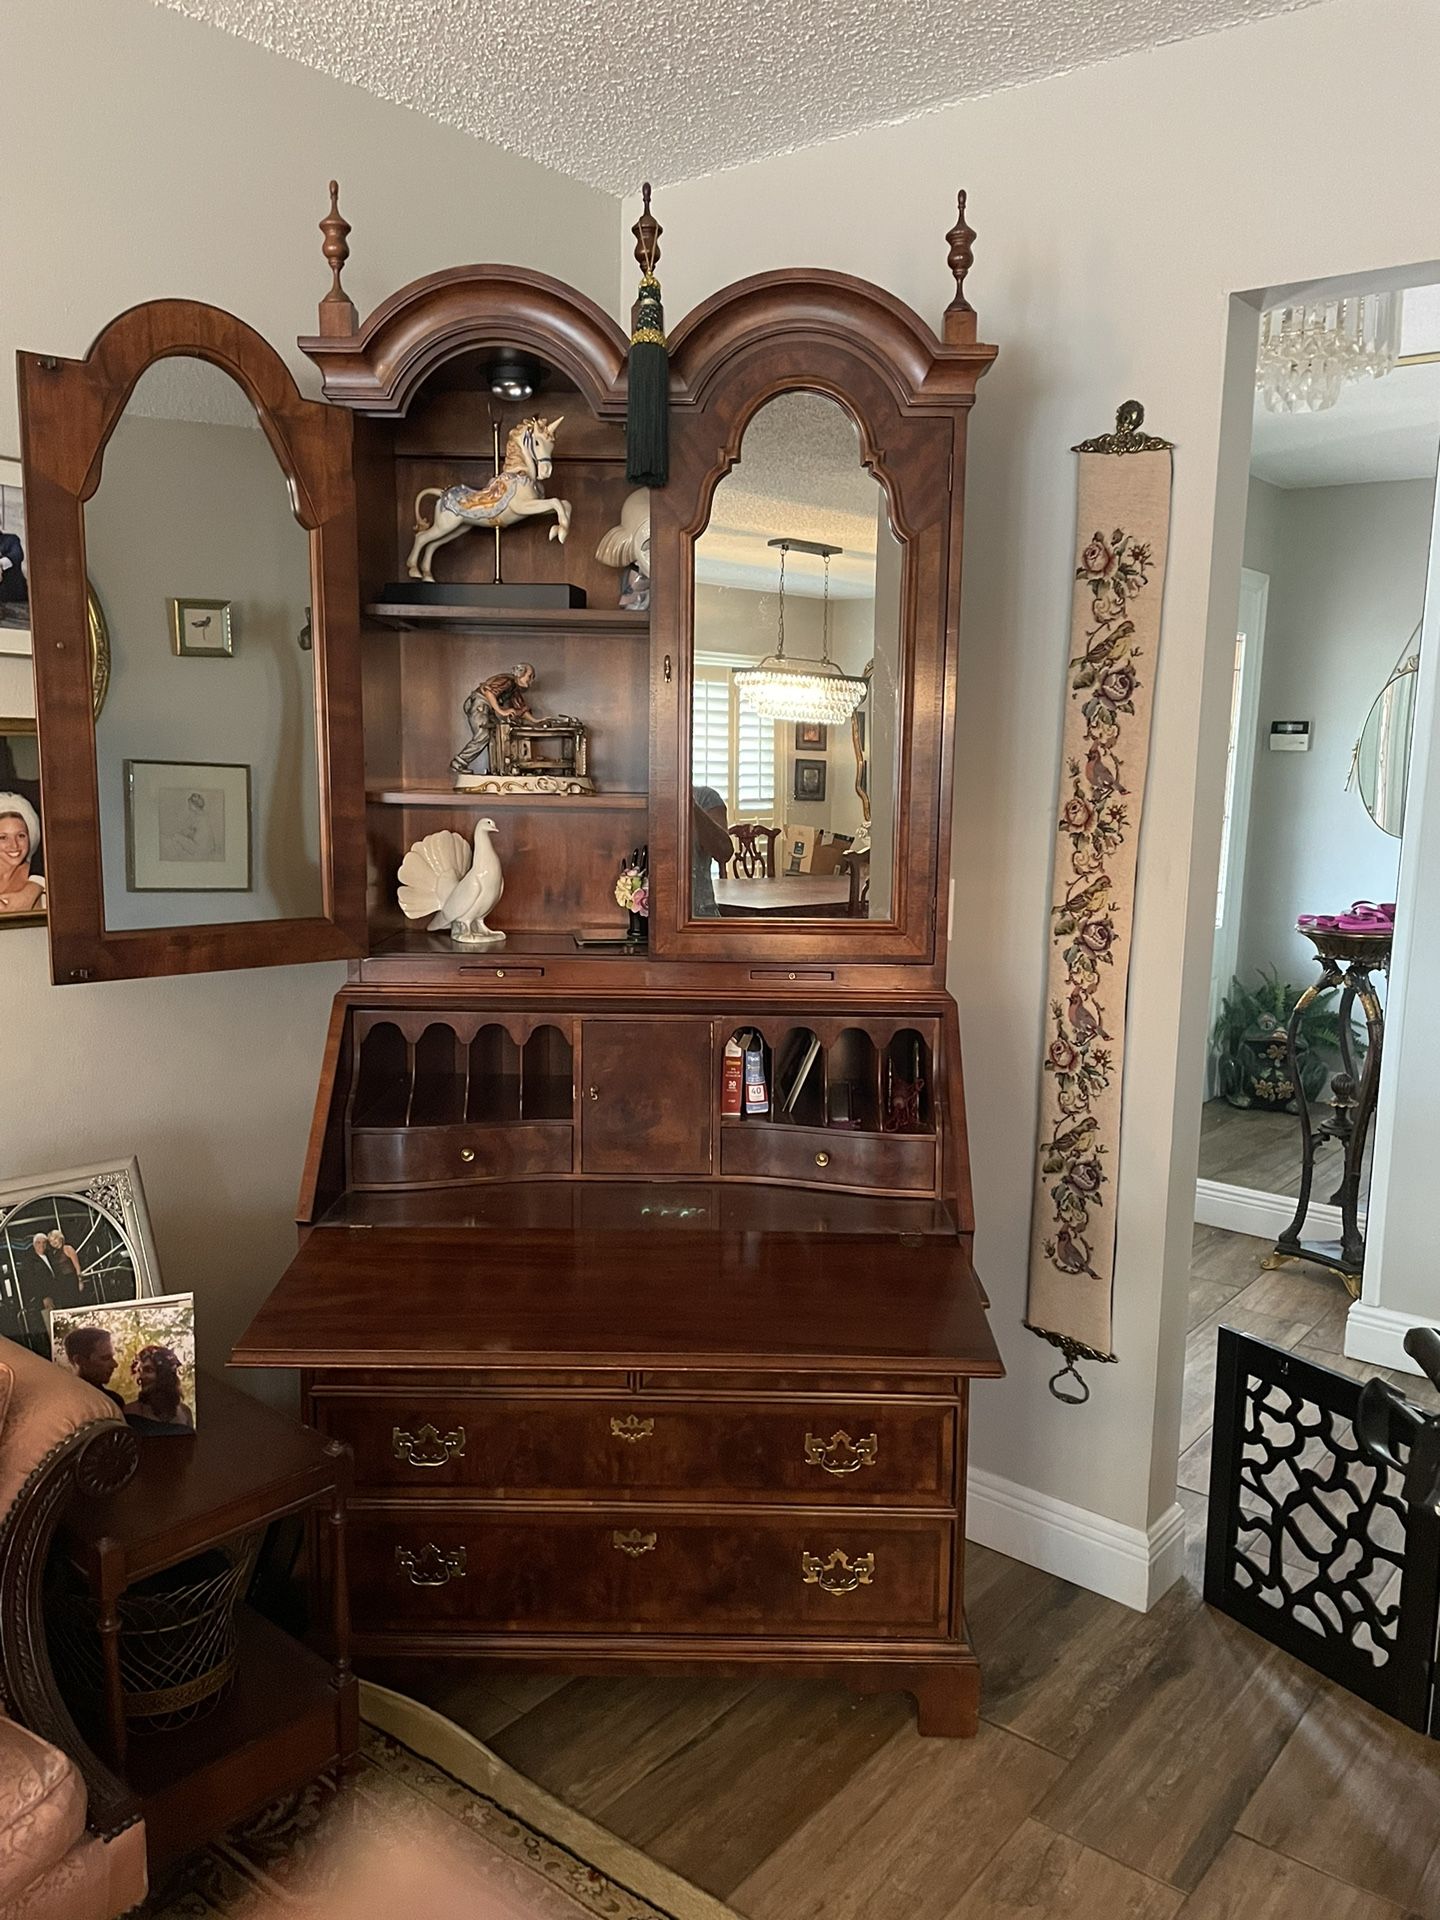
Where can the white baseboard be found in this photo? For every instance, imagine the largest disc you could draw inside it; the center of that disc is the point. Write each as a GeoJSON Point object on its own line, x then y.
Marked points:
{"type": "Point", "coordinates": [1265, 1215]}
{"type": "Point", "coordinates": [1124, 1563]}
{"type": "Point", "coordinates": [1377, 1334]}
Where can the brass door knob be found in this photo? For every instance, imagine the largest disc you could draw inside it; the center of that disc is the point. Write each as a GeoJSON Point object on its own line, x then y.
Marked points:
{"type": "Point", "coordinates": [822, 1159]}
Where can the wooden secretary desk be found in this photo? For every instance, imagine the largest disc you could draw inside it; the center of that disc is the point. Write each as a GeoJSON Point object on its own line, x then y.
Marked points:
{"type": "Point", "coordinates": [632, 1382]}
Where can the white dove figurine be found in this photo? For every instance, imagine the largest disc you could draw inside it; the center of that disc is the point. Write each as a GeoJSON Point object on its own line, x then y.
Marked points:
{"type": "Point", "coordinates": [441, 877]}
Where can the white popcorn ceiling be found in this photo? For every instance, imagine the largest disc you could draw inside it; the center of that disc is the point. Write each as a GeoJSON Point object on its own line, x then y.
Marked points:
{"type": "Point", "coordinates": [610, 90]}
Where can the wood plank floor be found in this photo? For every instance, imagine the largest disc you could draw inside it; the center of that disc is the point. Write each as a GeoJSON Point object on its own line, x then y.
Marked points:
{"type": "Point", "coordinates": [1128, 1767]}
{"type": "Point", "coordinates": [1243, 1147]}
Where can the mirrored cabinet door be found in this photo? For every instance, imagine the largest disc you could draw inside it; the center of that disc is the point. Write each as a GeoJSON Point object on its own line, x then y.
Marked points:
{"type": "Point", "coordinates": [805, 598]}
{"type": "Point", "coordinates": [188, 825]}
{"type": "Point", "coordinates": [795, 677]}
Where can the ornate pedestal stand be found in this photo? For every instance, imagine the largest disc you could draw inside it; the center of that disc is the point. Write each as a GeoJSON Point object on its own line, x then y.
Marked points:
{"type": "Point", "coordinates": [1347, 963]}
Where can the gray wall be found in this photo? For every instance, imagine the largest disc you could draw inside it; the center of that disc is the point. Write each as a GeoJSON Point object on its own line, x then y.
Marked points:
{"type": "Point", "coordinates": [211, 1079]}
{"type": "Point", "coordinates": [1347, 583]}
{"type": "Point", "coordinates": [197, 510]}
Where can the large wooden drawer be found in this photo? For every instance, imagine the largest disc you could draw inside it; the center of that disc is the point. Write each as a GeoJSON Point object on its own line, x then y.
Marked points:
{"type": "Point", "coordinates": [438, 1156]}
{"type": "Point", "coordinates": [849, 1452]}
{"type": "Point", "coordinates": [766, 1150]}
{"type": "Point", "coordinates": [642, 1570]}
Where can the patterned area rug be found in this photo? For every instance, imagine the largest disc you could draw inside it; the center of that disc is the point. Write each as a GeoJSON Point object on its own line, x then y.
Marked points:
{"type": "Point", "coordinates": [439, 1790]}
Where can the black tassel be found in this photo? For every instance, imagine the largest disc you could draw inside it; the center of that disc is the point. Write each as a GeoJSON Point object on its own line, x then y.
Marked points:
{"type": "Point", "coordinates": [647, 411]}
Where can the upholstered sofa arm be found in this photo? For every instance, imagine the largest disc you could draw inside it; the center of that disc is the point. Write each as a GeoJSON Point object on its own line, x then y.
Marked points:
{"type": "Point", "coordinates": [61, 1440]}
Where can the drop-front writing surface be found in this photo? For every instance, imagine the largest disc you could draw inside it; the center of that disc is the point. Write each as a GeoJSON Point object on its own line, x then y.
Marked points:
{"type": "Point", "coordinates": [796, 676]}
{"type": "Point", "coordinates": [205, 747]}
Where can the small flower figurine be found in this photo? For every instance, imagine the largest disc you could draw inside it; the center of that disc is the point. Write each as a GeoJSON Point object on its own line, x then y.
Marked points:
{"type": "Point", "coordinates": [632, 890]}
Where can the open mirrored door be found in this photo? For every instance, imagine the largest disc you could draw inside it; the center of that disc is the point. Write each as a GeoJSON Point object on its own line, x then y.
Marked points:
{"type": "Point", "coordinates": [208, 811]}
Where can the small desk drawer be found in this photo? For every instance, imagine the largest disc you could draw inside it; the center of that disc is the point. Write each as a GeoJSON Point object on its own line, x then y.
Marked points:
{"type": "Point", "coordinates": [762, 1149]}
{"type": "Point", "coordinates": [629, 1447]}
{"type": "Point", "coordinates": [442, 1156]}
{"type": "Point", "coordinates": [643, 1570]}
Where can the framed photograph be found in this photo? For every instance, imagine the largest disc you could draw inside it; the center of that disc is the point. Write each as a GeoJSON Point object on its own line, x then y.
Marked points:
{"type": "Point", "coordinates": [202, 627]}
{"type": "Point", "coordinates": [22, 856]}
{"type": "Point", "coordinates": [75, 1239]}
{"type": "Point", "coordinates": [187, 827]}
{"type": "Point", "coordinates": [14, 584]}
{"type": "Point", "coordinates": [811, 736]}
{"type": "Point", "coordinates": [810, 779]}
{"type": "Point", "coordinates": [141, 1356]}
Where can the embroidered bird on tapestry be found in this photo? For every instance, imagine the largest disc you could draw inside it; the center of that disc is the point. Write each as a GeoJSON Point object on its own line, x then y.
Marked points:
{"type": "Point", "coordinates": [442, 876]}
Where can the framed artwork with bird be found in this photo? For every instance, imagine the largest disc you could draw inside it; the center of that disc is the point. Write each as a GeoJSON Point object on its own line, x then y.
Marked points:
{"type": "Point", "coordinates": [202, 627]}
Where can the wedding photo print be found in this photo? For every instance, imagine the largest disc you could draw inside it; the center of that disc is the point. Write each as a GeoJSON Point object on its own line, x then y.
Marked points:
{"type": "Point", "coordinates": [140, 1356]}
{"type": "Point", "coordinates": [71, 1240]}
{"type": "Point", "coordinates": [14, 584]}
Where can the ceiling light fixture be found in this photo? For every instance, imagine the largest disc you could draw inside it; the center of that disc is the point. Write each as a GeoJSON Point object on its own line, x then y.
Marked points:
{"type": "Point", "coordinates": [794, 687]}
{"type": "Point", "coordinates": [1309, 353]}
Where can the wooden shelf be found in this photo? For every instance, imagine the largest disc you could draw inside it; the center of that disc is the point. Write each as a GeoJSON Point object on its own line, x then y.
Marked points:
{"type": "Point", "coordinates": [568, 620]}
{"type": "Point", "coordinates": [390, 793]}
{"type": "Point", "coordinates": [276, 1729]}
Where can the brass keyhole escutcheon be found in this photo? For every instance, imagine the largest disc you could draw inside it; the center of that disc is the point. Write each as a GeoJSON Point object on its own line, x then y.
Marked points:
{"type": "Point", "coordinates": [633, 1542]}
{"type": "Point", "coordinates": [593, 1092]}
{"type": "Point", "coordinates": [822, 1159]}
{"type": "Point", "coordinates": [430, 1566]}
{"type": "Point", "coordinates": [840, 1454]}
{"type": "Point", "coordinates": [839, 1573]}
{"type": "Point", "coordinates": [467, 1154]}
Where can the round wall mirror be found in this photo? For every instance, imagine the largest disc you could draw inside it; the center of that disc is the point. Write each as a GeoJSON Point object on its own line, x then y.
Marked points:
{"type": "Point", "coordinates": [1382, 753]}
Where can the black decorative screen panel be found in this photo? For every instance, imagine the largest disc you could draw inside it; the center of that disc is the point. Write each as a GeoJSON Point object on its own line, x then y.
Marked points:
{"type": "Point", "coordinates": [1310, 1542]}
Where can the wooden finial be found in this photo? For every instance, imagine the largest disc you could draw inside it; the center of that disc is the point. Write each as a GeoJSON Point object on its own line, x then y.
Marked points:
{"type": "Point", "coordinates": [960, 315]}
{"type": "Point", "coordinates": [337, 311]}
{"type": "Point", "coordinates": [647, 231]}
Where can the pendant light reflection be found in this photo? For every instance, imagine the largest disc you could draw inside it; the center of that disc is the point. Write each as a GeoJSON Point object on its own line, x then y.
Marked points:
{"type": "Point", "coordinates": [794, 687]}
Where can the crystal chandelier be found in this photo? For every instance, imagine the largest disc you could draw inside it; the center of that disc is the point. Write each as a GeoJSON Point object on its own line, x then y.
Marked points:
{"type": "Point", "coordinates": [792, 687]}
{"type": "Point", "coordinates": [1307, 354]}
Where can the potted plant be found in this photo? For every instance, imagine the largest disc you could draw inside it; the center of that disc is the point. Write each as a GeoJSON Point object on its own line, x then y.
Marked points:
{"type": "Point", "coordinates": [1248, 1045]}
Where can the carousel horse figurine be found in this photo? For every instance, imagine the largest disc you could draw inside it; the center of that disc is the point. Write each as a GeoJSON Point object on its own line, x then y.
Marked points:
{"type": "Point", "coordinates": [516, 493]}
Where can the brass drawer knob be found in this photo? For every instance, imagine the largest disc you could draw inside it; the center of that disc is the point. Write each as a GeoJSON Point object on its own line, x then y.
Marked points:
{"type": "Point", "coordinates": [838, 1574]}
{"type": "Point", "coordinates": [631, 1427]}
{"type": "Point", "coordinates": [822, 1159]}
{"type": "Point", "coordinates": [633, 1542]}
{"type": "Point", "coordinates": [430, 1566]}
{"type": "Point", "coordinates": [841, 1454]}
{"type": "Point", "coordinates": [467, 1154]}
{"type": "Point", "coordinates": [427, 1446]}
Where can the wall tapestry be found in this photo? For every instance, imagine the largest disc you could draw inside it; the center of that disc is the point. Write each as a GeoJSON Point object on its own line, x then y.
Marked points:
{"type": "Point", "coordinates": [1122, 527]}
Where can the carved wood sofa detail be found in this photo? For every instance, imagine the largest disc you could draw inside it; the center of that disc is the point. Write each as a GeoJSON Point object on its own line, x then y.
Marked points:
{"type": "Point", "coordinates": [72, 1846]}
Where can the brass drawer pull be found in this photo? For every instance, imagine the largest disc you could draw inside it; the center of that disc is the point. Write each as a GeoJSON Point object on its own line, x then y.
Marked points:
{"type": "Point", "coordinates": [838, 1574]}
{"type": "Point", "coordinates": [632, 1427]}
{"type": "Point", "coordinates": [633, 1542]}
{"type": "Point", "coordinates": [427, 1446]}
{"type": "Point", "coordinates": [841, 1454]}
{"type": "Point", "coordinates": [430, 1566]}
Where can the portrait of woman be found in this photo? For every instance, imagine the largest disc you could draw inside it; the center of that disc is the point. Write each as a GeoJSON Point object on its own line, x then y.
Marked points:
{"type": "Point", "coordinates": [159, 1405]}
{"type": "Point", "coordinates": [22, 880]}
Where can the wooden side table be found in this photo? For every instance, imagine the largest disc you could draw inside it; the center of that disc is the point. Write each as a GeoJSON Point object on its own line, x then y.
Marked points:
{"type": "Point", "coordinates": [290, 1713]}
